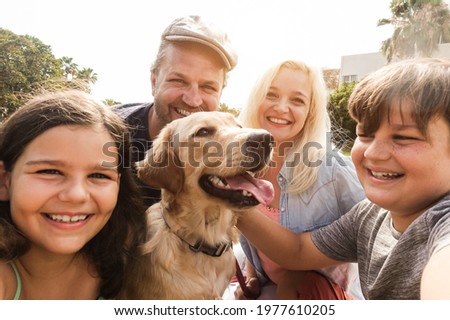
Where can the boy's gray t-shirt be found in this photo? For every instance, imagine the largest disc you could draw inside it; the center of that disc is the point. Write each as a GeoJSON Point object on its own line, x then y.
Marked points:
{"type": "Point", "coordinates": [390, 263]}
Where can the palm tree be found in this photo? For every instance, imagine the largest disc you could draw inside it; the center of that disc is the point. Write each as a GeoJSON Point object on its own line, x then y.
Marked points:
{"type": "Point", "coordinates": [69, 67]}
{"type": "Point", "coordinates": [420, 26]}
{"type": "Point", "coordinates": [88, 75]}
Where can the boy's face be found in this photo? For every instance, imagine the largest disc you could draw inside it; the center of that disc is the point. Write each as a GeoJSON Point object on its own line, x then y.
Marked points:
{"type": "Point", "coordinates": [399, 168]}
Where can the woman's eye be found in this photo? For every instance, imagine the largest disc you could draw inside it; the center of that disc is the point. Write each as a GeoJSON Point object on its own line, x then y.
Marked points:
{"type": "Point", "coordinates": [271, 95]}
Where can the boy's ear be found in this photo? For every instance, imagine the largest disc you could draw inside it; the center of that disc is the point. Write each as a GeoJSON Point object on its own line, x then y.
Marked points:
{"type": "Point", "coordinates": [4, 182]}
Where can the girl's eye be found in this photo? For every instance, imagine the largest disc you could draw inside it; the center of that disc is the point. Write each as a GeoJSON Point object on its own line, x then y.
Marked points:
{"type": "Point", "coordinates": [99, 176]}
{"type": "Point", "coordinates": [49, 171]}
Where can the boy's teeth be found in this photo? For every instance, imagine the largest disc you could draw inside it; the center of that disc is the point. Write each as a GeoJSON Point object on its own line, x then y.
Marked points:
{"type": "Point", "coordinates": [67, 219]}
{"type": "Point", "coordinates": [184, 112]}
{"type": "Point", "coordinates": [385, 175]}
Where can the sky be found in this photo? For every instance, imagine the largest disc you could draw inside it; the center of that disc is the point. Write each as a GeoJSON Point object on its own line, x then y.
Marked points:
{"type": "Point", "coordinates": [119, 39]}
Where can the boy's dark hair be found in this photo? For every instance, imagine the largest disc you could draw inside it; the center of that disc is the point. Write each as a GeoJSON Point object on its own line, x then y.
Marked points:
{"type": "Point", "coordinates": [119, 239]}
{"type": "Point", "coordinates": [424, 82]}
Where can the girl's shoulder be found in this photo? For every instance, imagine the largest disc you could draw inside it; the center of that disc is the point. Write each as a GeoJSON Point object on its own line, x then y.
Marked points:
{"type": "Point", "coordinates": [8, 281]}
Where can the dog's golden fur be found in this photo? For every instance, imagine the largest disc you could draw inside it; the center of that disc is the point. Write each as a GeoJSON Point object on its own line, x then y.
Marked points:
{"type": "Point", "coordinates": [205, 143]}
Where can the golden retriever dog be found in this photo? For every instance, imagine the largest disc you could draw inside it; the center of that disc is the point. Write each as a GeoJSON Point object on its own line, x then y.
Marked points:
{"type": "Point", "coordinates": [205, 165]}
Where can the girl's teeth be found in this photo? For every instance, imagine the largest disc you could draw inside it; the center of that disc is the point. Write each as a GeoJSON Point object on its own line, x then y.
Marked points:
{"type": "Point", "coordinates": [67, 219]}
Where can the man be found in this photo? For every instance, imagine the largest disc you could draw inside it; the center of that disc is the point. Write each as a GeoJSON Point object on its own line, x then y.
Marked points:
{"type": "Point", "coordinates": [188, 75]}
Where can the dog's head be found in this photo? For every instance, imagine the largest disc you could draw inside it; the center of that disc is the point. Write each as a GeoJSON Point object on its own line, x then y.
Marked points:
{"type": "Point", "coordinates": [210, 152]}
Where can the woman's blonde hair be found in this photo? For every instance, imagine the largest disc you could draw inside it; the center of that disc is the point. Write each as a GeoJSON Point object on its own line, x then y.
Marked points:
{"type": "Point", "coordinates": [310, 143]}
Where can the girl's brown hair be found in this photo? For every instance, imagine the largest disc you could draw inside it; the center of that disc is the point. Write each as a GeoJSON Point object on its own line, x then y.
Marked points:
{"type": "Point", "coordinates": [118, 240]}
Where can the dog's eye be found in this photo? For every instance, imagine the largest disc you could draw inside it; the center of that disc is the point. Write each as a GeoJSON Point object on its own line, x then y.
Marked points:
{"type": "Point", "coordinates": [203, 132]}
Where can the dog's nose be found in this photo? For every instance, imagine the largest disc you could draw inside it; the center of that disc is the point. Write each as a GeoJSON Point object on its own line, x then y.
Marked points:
{"type": "Point", "coordinates": [259, 146]}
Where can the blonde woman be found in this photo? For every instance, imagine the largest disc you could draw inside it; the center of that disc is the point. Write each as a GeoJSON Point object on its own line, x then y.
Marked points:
{"type": "Point", "coordinates": [314, 184]}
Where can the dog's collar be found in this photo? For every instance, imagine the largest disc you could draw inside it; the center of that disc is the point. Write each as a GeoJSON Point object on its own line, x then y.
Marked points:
{"type": "Point", "coordinates": [200, 245]}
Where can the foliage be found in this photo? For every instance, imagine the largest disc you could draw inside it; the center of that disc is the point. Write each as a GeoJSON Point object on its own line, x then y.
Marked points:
{"type": "Point", "coordinates": [24, 60]}
{"type": "Point", "coordinates": [111, 102]}
{"type": "Point", "coordinates": [343, 126]}
{"type": "Point", "coordinates": [331, 78]}
{"type": "Point", "coordinates": [419, 27]}
{"type": "Point", "coordinates": [224, 108]}
{"type": "Point", "coordinates": [27, 66]}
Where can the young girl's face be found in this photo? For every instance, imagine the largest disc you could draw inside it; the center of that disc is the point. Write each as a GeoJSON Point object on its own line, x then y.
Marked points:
{"type": "Point", "coordinates": [64, 187]}
{"type": "Point", "coordinates": [400, 168]}
{"type": "Point", "coordinates": [284, 110]}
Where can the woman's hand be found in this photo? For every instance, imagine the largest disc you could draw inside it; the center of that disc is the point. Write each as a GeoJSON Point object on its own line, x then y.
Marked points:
{"type": "Point", "coordinates": [252, 289]}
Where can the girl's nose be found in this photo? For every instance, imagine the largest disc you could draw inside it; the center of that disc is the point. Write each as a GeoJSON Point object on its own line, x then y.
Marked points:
{"type": "Point", "coordinates": [74, 191]}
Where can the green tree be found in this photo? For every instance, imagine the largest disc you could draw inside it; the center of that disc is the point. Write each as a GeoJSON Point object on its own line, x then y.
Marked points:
{"type": "Point", "coordinates": [88, 75]}
{"type": "Point", "coordinates": [28, 66]}
{"type": "Point", "coordinates": [24, 61]}
{"type": "Point", "coordinates": [419, 27]}
{"type": "Point", "coordinates": [225, 108]}
{"type": "Point", "coordinates": [343, 127]}
{"type": "Point", "coordinates": [110, 102]}
{"type": "Point", "coordinates": [69, 67]}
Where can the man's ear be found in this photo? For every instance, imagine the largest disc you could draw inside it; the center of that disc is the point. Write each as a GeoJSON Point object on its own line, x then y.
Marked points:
{"type": "Point", "coordinates": [4, 183]}
{"type": "Point", "coordinates": [153, 82]}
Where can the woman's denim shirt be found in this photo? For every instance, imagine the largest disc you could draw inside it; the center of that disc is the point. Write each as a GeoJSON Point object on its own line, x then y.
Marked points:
{"type": "Point", "coordinates": [334, 193]}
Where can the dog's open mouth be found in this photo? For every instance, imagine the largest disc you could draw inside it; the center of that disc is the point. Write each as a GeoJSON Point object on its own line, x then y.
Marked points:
{"type": "Point", "coordinates": [241, 191]}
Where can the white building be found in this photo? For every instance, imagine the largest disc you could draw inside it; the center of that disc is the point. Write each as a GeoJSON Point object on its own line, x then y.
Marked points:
{"type": "Point", "coordinates": [357, 66]}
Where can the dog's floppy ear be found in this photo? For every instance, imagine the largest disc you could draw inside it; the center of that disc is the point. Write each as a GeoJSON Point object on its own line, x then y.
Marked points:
{"type": "Point", "coordinates": [162, 168]}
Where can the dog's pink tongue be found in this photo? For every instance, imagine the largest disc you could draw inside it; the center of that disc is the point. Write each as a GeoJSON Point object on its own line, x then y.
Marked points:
{"type": "Point", "coordinates": [261, 189]}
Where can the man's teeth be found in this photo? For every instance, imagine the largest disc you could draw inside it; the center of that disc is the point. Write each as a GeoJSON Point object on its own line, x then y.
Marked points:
{"type": "Point", "coordinates": [385, 175]}
{"type": "Point", "coordinates": [278, 121]}
{"type": "Point", "coordinates": [67, 219]}
{"type": "Point", "coordinates": [184, 112]}
{"type": "Point", "coordinates": [220, 184]}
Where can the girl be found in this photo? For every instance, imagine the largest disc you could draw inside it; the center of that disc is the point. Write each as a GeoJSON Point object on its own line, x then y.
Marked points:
{"type": "Point", "coordinates": [71, 215]}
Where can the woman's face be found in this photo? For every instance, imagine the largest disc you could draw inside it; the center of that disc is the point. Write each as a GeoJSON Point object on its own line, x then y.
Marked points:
{"type": "Point", "coordinates": [64, 187]}
{"type": "Point", "coordinates": [285, 108]}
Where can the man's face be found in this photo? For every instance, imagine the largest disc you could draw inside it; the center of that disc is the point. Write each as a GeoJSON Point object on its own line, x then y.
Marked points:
{"type": "Point", "coordinates": [190, 79]}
